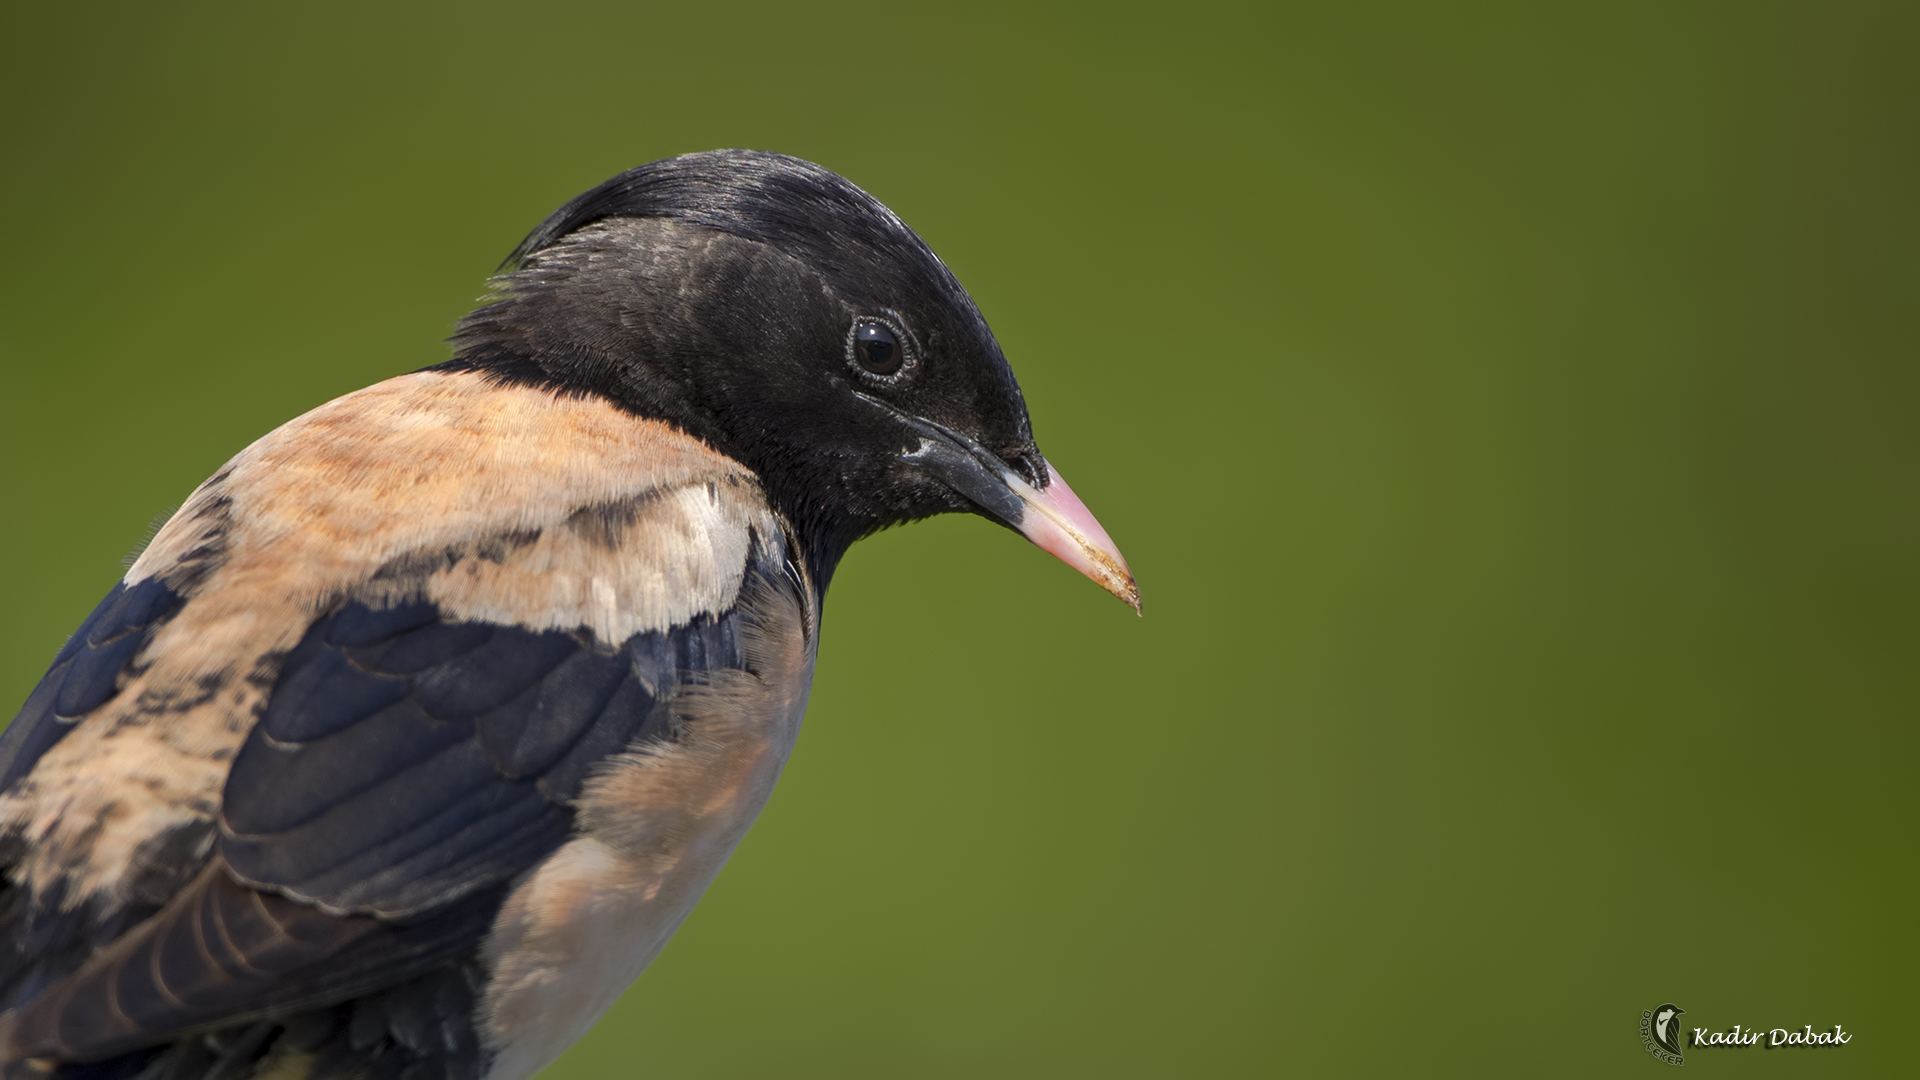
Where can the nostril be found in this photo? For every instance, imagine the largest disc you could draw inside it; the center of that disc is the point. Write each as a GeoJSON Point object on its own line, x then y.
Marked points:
{"type": "Point", "coordinates": [1030, 465]}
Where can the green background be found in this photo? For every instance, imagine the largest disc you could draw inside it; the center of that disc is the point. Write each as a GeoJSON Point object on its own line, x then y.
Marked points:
{"type": "Point", "coordinates": [1510, 411]}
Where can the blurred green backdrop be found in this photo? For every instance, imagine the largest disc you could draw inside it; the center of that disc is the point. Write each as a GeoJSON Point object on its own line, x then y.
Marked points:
{"type": "Point", "coordinates": [1510, 411]}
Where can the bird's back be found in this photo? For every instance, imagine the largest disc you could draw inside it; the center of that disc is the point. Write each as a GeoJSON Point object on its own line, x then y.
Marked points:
{"type": "Point", "coordinates": [343, 774]}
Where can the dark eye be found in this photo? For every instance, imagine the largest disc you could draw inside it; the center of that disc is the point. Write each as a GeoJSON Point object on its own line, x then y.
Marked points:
{"type": "Point", "coordinates": [876, 348]}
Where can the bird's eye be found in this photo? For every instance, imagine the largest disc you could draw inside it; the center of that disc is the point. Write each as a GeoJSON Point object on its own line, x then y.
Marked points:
{"type": "Point", "coordinates": [877, 348]}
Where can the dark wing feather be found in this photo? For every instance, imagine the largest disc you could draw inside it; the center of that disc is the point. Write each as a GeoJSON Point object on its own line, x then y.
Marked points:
{"type": "Point", "coordinates": [222, 953]}
{"type": "Point", "coordinates": [404, 761]}
{"type": "Point", "coordinates": [39, 937]}
{"type": "Point", "coordinates": [86, 673]}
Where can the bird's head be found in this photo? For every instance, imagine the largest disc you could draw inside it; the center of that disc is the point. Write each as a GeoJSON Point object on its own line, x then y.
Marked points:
{"type": "Point", "coordinates": [774, 310]}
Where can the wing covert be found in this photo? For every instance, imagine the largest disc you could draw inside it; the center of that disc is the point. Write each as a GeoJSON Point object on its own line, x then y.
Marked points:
{"type": "Point", "coordinates": [405, 760]}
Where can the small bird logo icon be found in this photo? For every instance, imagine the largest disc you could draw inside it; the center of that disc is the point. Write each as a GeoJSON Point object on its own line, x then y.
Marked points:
{"type": "Point", "coordinates": [1666, 1027]}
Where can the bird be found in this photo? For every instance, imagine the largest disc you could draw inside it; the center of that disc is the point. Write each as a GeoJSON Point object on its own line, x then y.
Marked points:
{"type": "Point", "coordinates": [408, 741]}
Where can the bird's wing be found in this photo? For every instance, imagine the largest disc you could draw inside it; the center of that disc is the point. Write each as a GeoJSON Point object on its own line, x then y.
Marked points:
{"type": "Point", "coordinates": [40, 933]}
{"type": "Point", "coordinates": [426, 718]}
{"type": "Point", "coordinates": [86, 673]}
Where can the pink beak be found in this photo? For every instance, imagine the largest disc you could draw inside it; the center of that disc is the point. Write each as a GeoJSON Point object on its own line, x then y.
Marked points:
{"type": "Point", "coordinates": [1059, 523]}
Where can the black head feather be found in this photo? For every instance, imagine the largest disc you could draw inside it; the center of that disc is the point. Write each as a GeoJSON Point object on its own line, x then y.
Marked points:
{"type": "Point", "coordinates": [790, 204]}
{"type": "Point", "coordinates": [719, 292]}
